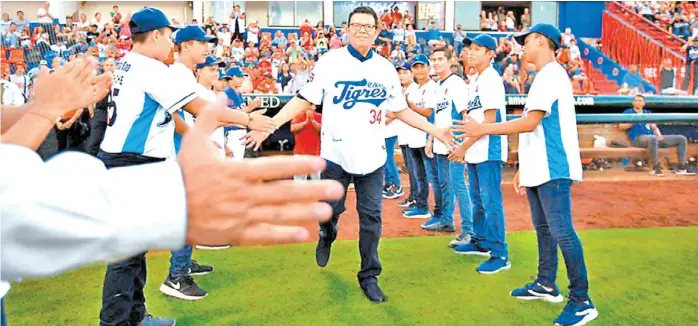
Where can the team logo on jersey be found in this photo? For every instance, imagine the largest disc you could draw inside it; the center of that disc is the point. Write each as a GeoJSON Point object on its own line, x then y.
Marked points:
{"type": "Point", "coordinates": [168, 118]}
{"type": "Point", "coordinates": [443, 105]}
{"type": "Point", "coordinates": [474, 104]}
{"type": "Point", "coordinates": [361, 91]}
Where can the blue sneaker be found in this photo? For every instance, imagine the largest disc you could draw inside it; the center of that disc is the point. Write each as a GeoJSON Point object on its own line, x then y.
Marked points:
{"type": "Point", "coordinates": [535, 291]}
{"type": "Point", "coordinates": [433, 220]}
{"type": "Point", "coordinates": [398, 191]}
{"type": "Point", "coordinates": [417, 213]}
{"type": "Point", "coordinates": [149, 320]}
{"type": "Point", "coordinates": [471, 249]}
{"type": "Point", "coordinates": [577, 314]}
{"type": "Point", "coordinates": [494, 265]}
{"type": "Point", "coordinates": [440, 227]}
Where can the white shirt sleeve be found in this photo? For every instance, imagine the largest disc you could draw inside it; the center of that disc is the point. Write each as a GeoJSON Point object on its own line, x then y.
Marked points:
{"type": "Point", "coordinates": [314, 90]}
{"type": "Point", "coordinates": [396, 98]}
{"type": "Point", "coordinates": [172, 91]}
{"type": "Point", "coordinates": [71, 211]}
{"type": "Point", "coordinates": [542, 93]}
{"type": "Point", "coordinates": [491, 91]}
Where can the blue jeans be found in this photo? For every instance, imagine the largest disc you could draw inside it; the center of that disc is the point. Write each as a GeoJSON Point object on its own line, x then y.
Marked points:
{"type": "Point", "coordinates": [462, 195]}
{"type": "Point", "coordinates": [392, 176]}
{"type": "Point", "coordinates": [180, 262]}
{"type": "Point", "coordinates": [418, 172]}
{"type": "Point", "coordinates": [410, 174]}
{"type": "Point", "coordinates": [433, 178]}
{"type": "Point", "coordinates": [442, 166]}
{"type": "Point", "coordinates": [551, 212]}
{"type": "Point", "coordinates": [3, 319]}
{"type": "Point", "coordinates": [488, 207]}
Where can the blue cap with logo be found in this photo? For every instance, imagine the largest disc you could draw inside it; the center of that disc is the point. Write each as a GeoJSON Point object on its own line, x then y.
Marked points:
{"type": "Point", "coordinates": [149, 19]}
{"type": "Point", "coordinates": [420, 59]}
{"type": "Point", "coordinates": [234, 71]}
{"type": "Point", "coordinates": [404, 66]}
{"type": "Point", "coordinates": [482, 40]}
{"type": "Point", "coordinates": [194, 33]}
{"type": "Point", "coordinates": [211, 61]}
{"type": "Point", "coordinates": [547, 30]}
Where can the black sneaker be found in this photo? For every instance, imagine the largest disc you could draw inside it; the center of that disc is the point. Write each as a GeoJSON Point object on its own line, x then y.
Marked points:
{"type": "Point", "coordinates": [406, 203]}
{"type": "Point", "coordinates": [182, 288]}
{"type": "Point", "coordinates": [322, 252]}
{"type": "Point", "coordinates": [197, 269]}
{"type": "Point", "coordinates": [657, 172]}
{"type": "Point", "coordinates": [212, 247]}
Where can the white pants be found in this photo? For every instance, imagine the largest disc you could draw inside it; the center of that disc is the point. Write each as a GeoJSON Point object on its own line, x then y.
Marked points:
{"type": "Point", "coordinates": [232, 140]}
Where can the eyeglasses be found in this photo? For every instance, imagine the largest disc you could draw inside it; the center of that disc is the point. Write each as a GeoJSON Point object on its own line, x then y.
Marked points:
{"type": "Point", "coordinates": [355, 27]}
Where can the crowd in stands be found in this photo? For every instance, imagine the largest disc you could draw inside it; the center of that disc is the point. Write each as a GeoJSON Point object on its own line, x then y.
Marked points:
{"type": "Point", "coordinates": [278, 63]}
{"type": "Point", "coordinates": [677, 17]}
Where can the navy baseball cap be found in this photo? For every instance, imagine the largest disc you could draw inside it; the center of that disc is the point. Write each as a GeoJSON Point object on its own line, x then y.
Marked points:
{"type": "Point", "coordinates": [547, 30]}
{"type": "Point", "coordinates": [420, 59]}
{"type": "Point", "coordinates": [149, 19]}
{"type": "Point", "coordinates": [483, 40]}
{"type": "Point", "coordinates": [235, 71]}
{"type": "Point", "coordinates": [404, 66]}
{"type": "Point", "coordinates": [211, 61]}
{"type": "Point", "coordinates": [194, 33]}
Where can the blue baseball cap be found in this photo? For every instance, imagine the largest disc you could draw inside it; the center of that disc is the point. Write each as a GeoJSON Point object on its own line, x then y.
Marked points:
{"type": "Point", "coordinates": [420, 59]}
{"type": "Point", "coordinates": [194, 33]}
{"type": "Point", "coordinates": [211, 61]}
{"type": "Point", "coordinates": [404, 66]}
{"type": "Point", "coordinates": [149, 19]}
{"type": "Point", "coordinates": [235, 71]}
{"type": "Point", "coordinates": [547, 30]}
{"type": "Point", "coordinates": [483, 40]}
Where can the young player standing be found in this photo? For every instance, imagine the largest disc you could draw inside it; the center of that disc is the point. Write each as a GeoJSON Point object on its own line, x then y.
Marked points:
{"type": "Point", "coordinates": [235, 78]}
{"type": "Point", "coordinates": [484, 156]}
{"type": "Point", "coordinates": [403, 131]}
{"type": "Point", "coordinates": [549, 163]}
{"type": "Point", "coordinates": [146, 94]}
{"type": "Point", "coordinates": [355, 86]}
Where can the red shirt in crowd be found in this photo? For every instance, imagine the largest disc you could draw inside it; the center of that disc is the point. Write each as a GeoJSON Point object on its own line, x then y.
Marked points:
{"type": "Point", "coordinates": [307, 139]}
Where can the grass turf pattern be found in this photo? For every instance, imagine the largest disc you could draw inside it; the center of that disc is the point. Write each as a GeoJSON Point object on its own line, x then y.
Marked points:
{"type": "Point", "coordinates": [637, 277]}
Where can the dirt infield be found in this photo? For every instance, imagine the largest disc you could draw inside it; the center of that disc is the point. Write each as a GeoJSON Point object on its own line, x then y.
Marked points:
{"type": "Point", "coordinates": [633, 204]}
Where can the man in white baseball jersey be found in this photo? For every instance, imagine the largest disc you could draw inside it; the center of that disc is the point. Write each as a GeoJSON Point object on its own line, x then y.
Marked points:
{"type": "Point", "coordinates": [451, 104]}
{"type": "Point", "coordinates": [415, 140]}
{"type": "Point", "coordinates": [146, 94]}
{"type": "Point", "coordinates": [484, 156]}
{"type": "Point", "coordinates": [356, 86]}
{"type": "Point", "coordinates": [549, 163]}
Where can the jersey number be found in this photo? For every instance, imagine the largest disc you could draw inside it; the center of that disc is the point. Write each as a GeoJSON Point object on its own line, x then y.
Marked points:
{"type": "Point", "coordinates": [376, 116]}
{"type": "Point", "coordinates": [111, 110]}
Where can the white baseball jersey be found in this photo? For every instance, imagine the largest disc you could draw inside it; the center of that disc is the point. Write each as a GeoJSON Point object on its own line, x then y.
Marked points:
{"type": "Point", "coordinates": [145, 93]}
{"type": "Point", "coordinates": [355, 92]}
{"type": "Point", "coordinates": [424, 96]}
{"type": "Point", "coordinates": [551, 151]}
{"type": "Point", "coordinates": [403, 129]}
{"type": "Point", "coordinates": [488, 94]}
{"type": "Point", "coordinates": [452, 100]}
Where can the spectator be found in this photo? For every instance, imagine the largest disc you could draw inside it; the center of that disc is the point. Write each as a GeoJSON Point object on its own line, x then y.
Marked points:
{"type": "Point", "coordinates": [567, 36]}
{"type": "Point", "coordinates": [575, 54]}
{"type": "Point", "coordinates": [115, 15]}
{"type": "Point", "coordinates": [5, 23]}
{"type": "Point", "coordinates": [510, 21]}
{"type": "Point", "coordinates": [279, 40]}
{"type": "Point", "coordinates": [237, 21]}
{"type": "Point", "coordinates": [526, 19]}
{"type": "Point", "coordinates": [398, 34]}
{"type": "Point", "coordinates": [434, 35]}
{"type": "Point", "coordinates": [92, 34]}
{"type": "Point", "coordinates": [458, 37]}
{"type": "Point", "coordinates": [44, 14]}
{"type": "Point", "coordinates": [22, 24]}
{"type": "Point", "coordinates": [632, 82]}
{"type": "Point", "coordinates": [691, 51]}
{"type": "Point", "coordinates": [397, 16]}
{"type": "Point", "coordinates": [11, 94]}
{"type": "Point", "coordinates": [22, 81]}
{"type": "Point", "coordinates": [667, 79]}
{"type": "Point", "coordinates": [335, 42]}
{"type": "Point", "coordinates": [225, 34]}
{"type": "Point", "coordinates": [511, 85]}
{"type": "Point", "coordinates": [410, 35]}
{"type": "Point", "coordinates": [83, 25]}
{"type": "Point", "coordinates": [484, 25]}
{"type": "Point", "coordinates": [99, 21]}
{"type": "Point", "coordinates": [648, 135]}
{"type": "Point", "coordinates": [283, 78]}
{"type": "Point", "coordinates": [253, 32]}
{"type": "Point", "coordinates": [10, 36]}
{"type": "Point", "coordinates": [306, 133]}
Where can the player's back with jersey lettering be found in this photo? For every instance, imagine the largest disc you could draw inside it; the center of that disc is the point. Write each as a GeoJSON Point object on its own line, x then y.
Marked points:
{"type": "Point", "coordinates": [551, 151]}
{"type": "Point", "coordinates": [145, 94]}
{"type": "Point", "coordinates": [452, 100]}
{"type": "Point", "coordinates": [355, 92]}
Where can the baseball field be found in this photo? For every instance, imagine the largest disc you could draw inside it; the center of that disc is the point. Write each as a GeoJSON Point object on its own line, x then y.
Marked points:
{"type": "Point", "coordinates": [640, 241]}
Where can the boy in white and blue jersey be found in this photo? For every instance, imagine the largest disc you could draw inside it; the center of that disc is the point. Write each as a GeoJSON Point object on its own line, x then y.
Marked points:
{"type": "Point", "coordinates": [146, 94]}
{"type": "Point", "coordinates": [484, 156]}
{"type": "Point", "coordinates": [356, 87]}
{"type": "Point", "coordinates": [550, 163]}
{"type": "Point", "coordinates": [452, 102]}
{"type": "Point", "coordinates": [234, 78]}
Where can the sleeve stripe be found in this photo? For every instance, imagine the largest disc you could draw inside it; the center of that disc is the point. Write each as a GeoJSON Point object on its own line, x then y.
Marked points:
{"type": "Point", "coordinates": [184, 99]}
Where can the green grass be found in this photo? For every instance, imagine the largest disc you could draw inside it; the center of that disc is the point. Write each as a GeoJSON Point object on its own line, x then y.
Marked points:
{"type": "Point", "coordinates": [637, 276]}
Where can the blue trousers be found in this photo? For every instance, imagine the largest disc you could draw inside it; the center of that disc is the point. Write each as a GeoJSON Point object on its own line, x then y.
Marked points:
{"type": "Point", "coordinates": [461, 195]}
{"type": "Point", "coordinates": [443, 171]}
{"type": "Point", "coordinates": [392, 176]}
{"type": "Point", "coordinates": [180, 261]}
{"type": "Point", "coordinates": [417, 171]}
{"type": "Point", "coordinates": [433, 178]}
{"type": "Point", "coordinates": [488, 207]}
{"type": "Point", "coordinates": [3, 319]}
{"type": "Point", "coordinates": [551, 212]}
